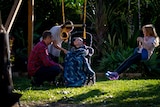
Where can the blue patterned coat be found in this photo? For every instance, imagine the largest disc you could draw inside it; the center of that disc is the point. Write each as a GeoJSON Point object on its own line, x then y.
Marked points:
{"type": "Point", "coordinates": [76, 67]}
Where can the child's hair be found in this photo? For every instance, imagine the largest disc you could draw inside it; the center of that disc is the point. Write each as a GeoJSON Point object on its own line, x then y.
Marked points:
{"type": "Point", "coordinates": [150, 29]}
{"type": "Point", "coordinates": [78, 38]}
{"type": "Point", "coordinates": [74, 38]}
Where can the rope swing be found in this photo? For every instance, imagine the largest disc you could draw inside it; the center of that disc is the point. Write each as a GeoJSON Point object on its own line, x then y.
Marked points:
{"type": "Point", "coordinates": [77, 25]}
{"type": "Point", "coordinates": [63, 15]}
{"type": "Point", "coordinates": [84, 20]}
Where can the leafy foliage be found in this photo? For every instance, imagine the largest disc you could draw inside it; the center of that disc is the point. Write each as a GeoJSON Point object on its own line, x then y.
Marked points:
{"type": "Point", "coordinates": [115, 24]}
{"type": "Point", "coordinates": [112, 60]}
{"type": "Point", "coordinates": [152, 65]}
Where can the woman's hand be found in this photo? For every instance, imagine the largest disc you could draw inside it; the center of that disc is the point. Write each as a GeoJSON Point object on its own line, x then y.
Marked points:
{"type": "Point", "coordinates": [61, 67]}
{"type": "Point", "coordinates": [65, 51]}
{"type": "Point", "coordinates": [140, 42]}
{"type": "Point", "coordinates": [139, 39]}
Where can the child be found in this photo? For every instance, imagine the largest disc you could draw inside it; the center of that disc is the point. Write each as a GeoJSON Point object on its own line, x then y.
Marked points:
{"type": "Point", "coordinates": [76, 67]}
{"type": "Point", "coordinates": [144, 51]}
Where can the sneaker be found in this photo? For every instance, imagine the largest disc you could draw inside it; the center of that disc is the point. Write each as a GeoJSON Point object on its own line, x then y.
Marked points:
{"type": "Point", "coordinates": [112, 75]}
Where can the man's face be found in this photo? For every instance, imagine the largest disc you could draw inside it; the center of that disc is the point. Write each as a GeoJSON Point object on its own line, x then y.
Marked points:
{"type": "Point", "coordinates": [49, 40]}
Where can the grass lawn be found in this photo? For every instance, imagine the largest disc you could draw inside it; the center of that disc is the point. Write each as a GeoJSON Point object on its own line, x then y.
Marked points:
{"type": "Point", "coordinates": [105, 93]}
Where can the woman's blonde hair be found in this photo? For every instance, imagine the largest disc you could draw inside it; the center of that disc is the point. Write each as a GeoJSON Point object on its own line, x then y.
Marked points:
{"type": "Point", "coordinates": [150, 30]}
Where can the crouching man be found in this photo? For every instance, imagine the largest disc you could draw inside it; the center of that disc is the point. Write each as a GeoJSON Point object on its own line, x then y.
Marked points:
{"type": "Point", "coordinates": [40, 66]}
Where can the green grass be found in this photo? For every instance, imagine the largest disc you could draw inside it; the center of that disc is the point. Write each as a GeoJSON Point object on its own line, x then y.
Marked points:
{"type": "Point", "coordinates": [121, 93]}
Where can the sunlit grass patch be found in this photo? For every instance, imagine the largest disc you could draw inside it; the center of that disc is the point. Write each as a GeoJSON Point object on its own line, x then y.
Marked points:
{"type": "Point", "coordinates": [109, 93]}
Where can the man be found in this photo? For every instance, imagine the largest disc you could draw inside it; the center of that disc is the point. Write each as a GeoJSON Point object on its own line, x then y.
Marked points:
{"type": "Point", "coordinates": [40, 66]}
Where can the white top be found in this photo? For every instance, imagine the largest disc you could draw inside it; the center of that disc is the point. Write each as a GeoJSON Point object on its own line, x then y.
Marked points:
{"type": "Point", "coordinates": [150, 43]}
{"type": "Point", "coordinates": [56, 31]}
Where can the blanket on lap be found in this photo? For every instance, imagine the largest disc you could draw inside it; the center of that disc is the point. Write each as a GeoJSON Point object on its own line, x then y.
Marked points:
{"type": "Point", "coordinates": [76, 68]}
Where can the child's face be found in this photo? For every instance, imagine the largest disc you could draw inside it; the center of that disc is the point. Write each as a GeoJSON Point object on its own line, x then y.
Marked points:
{"type": "Point", "coordinates": [77, 42]}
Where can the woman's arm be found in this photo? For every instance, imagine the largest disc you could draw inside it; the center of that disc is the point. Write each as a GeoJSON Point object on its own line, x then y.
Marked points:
{"type": "Point", "coordinates": [58, 47]}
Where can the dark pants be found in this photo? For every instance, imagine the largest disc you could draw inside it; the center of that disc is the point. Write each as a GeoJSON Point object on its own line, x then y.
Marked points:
{"type": "Point", "coordinates": [128, 62]}
{"type": "Point", "coordinates": [54, 58]}
{"type": "Point", "coordinates": [47, 74]}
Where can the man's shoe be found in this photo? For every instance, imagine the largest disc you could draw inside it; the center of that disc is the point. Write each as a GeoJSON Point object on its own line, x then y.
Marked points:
{"type": "Point", "coordinates": [112, 75]}
{"type": "Point", "coordinates": [34, 83]}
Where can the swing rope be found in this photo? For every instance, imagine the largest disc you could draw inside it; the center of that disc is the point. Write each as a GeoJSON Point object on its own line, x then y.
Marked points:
{"type": "Point", "coordinates": [63, 15]}
{"type": "Point", "coordinates": [84, 18]}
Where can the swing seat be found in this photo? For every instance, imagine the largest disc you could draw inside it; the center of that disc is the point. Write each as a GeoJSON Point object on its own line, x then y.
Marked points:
{"type": "Point", "coordinates": [144, 53]}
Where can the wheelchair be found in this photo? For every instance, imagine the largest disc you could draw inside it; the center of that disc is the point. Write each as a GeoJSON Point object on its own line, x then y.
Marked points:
{"type": "Point", "coordinates": [89, 73]}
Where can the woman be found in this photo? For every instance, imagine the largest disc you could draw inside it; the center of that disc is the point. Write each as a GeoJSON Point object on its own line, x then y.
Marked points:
{"type": "Point", "coordinates": [144, 51]}
{"type": "Point", "coordinates": [59, 34]}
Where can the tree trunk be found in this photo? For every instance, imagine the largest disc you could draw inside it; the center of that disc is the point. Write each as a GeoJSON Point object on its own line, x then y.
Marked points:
{"type": "Point", "coordinates": [7, 98]}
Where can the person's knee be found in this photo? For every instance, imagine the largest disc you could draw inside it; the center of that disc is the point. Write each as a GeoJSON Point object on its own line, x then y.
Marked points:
{"type": "Point", "coordinates": [57, 69]}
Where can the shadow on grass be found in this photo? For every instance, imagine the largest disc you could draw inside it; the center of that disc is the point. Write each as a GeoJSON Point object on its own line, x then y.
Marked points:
{"type": "Point", "coordinates": [149, 97]}
{"type": "Point", "coordinates": [23, 83]}
{"type": "Point", "coordinates": [137, 98]}
{"type": "Point", "coordinates": [75, 100]}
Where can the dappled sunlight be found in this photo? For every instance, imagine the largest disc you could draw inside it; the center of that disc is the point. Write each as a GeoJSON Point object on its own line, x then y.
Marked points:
{"type": "Point", "coordinates": [139, 93]}
{"type": "Point", "coordinates": [103, 93]}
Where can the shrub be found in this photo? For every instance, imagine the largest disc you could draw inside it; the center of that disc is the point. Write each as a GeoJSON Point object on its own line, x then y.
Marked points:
{"type": "Point", "coordinates": [112, 60]}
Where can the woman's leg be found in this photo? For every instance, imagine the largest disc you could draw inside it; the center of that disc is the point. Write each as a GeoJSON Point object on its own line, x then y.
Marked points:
{"type": "Point", "coordinates": [128, 62]}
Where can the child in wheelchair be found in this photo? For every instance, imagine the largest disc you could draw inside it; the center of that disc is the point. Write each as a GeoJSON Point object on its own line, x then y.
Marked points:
{"type": "Point", "coordinates": [77, 69]}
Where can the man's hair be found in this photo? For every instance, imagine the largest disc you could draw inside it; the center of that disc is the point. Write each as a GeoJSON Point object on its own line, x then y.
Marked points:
{"type": "Point", "coordinates": [46, 33]}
